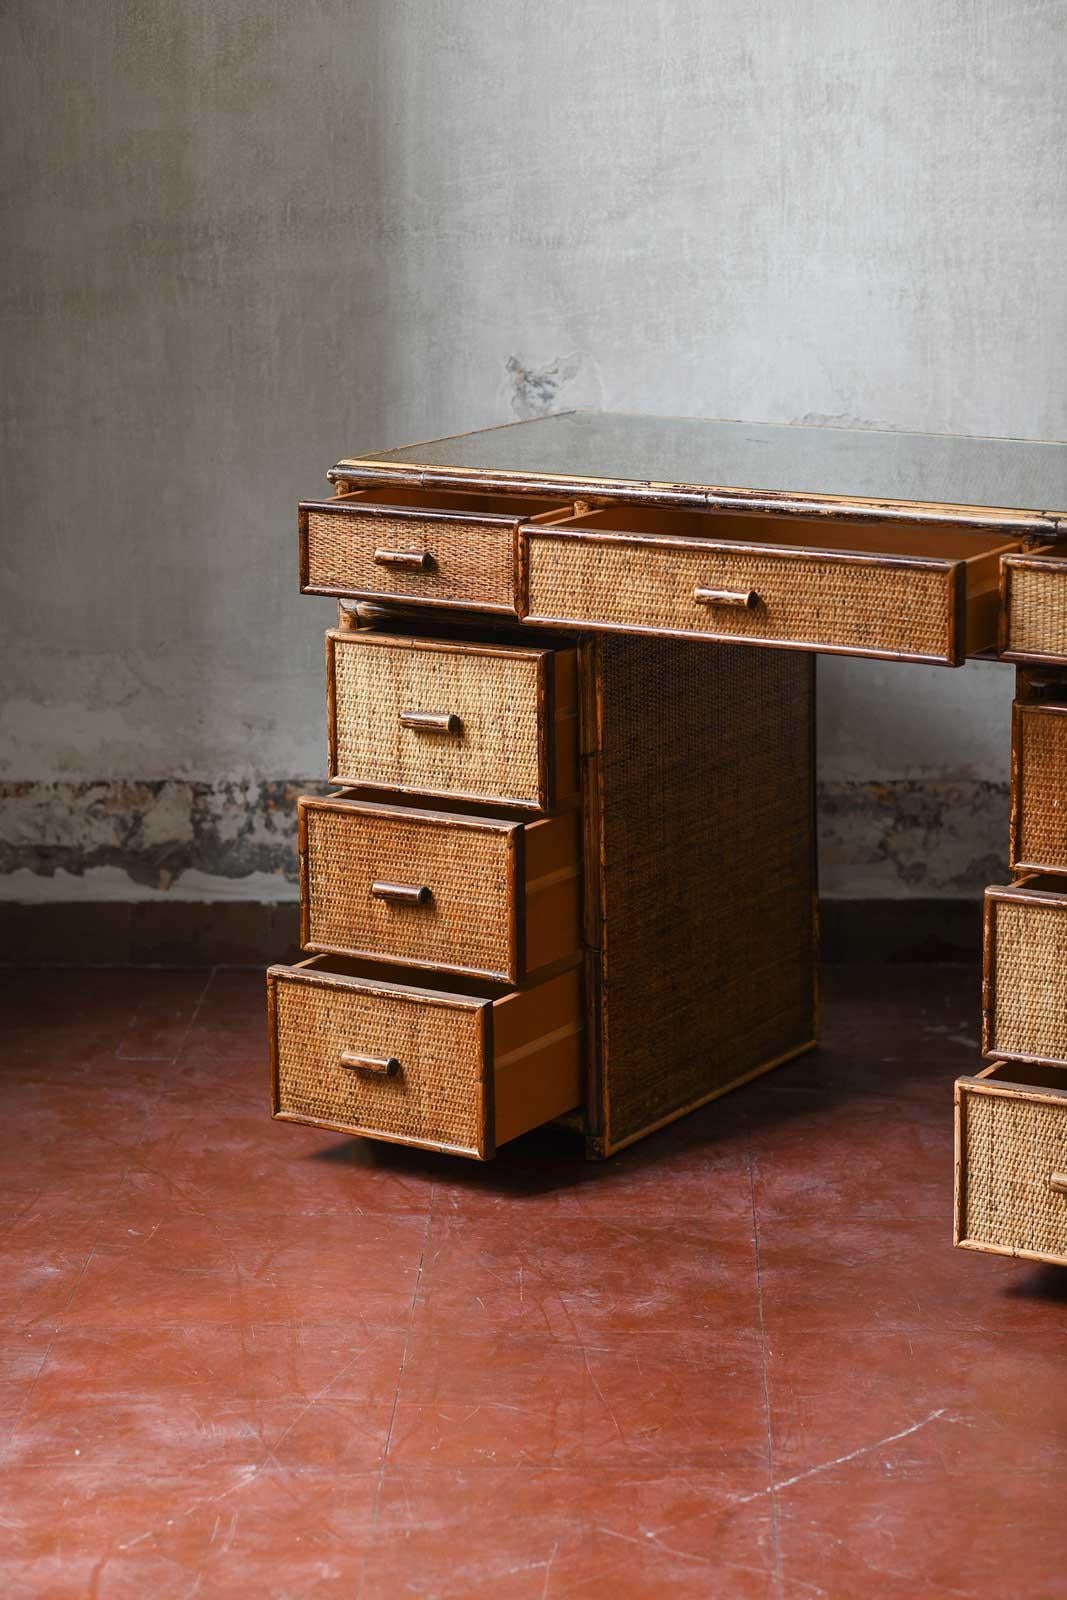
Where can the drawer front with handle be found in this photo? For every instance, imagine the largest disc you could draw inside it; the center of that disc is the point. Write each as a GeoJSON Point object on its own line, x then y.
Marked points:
{"type": "Point", "coordinates": [1011, 1162]}
{"type": "Point", "coordinates": [1024, 980]}
{"type": "Point", "coordinates": [460, 893]}
{"type": "Point", "coordinates": [395, 544]}
{"type": "Point", "coordinates": [492, 723]}
{"type": "Point", "coordinates": [462, 1072]}
{"type": "Point", "coordinates": [1033, 611]}
{"type": "Point", "coordinates": [904, 606]}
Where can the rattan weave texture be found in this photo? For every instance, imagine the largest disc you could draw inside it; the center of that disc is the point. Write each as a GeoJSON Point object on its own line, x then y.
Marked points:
{"type": "Point", "coordinates": [856, 607]}
{"type": "Point", "coordinates": [1030, 980]}
{"type": "Point", "coordinates": [435, 1096]}
{"type": "Point", "coordinates": [1037, 611]}
{"type": "Point", "coordinates": [1011, 1149]}
{"type": "Point", "coordinates": [495, 755]}
{"type": "Point", "coordinates": [1040, 805]}
{"type": "Point", "coordinates": [706, 843]}
{"type": "Point", "coordinates": [473, 563]}
{"type": "Point", "coordinates": [465, 925]}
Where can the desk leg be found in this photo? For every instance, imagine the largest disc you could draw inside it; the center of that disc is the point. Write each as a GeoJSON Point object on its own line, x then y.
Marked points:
{"type": "Point", "coordinates": [700, 892]}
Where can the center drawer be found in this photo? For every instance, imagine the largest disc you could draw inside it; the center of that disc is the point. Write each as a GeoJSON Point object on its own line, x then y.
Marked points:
{"type": "Point", "coordinates": [356, 1051]}
{"type": "Point", "coordinates": [457, 891]}
{"type": "Point", "coordinates": [927, 593]}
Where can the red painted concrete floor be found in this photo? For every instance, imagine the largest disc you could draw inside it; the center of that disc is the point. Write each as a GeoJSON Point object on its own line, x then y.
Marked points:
{"type": "Point", "coordinates": [245, 1359]}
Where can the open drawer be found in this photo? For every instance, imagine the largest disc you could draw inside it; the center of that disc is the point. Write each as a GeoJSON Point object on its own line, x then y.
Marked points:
{"type": "Point", "coordinates": [433, 549]}
{"type": "Point", "coordinates": [1033, 615]}
{"type": "Point", "coordinates": [1011, 1162]}
{"type": "Point", "coordinates": [911, 593]}
{"type": "Point", "coordinates": [459, 1070]}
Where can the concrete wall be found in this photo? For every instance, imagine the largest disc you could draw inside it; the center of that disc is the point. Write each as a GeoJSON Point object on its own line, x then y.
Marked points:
{"type": "Point", "coordinates": [249, 239]}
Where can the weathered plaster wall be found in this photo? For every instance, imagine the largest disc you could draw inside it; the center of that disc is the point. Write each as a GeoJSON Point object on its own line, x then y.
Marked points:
{"type": "Point", "coordinates": [245, 240]}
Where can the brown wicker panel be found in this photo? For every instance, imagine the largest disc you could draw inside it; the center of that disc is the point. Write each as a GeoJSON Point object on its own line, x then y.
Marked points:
{"type": "Point", "coordinates": [496, 755]}
{"type": "Point", "coordinates": [473, 563]}
{"type": "Point", "coordinates": [1039, 788]}
{"type": "Point", "coordinates": [437, 1097]}
{"type": "Point", "coordinates": [707, 895]}
{"type": "Point", "coordinates": [1036, 621]}
{"type": "Point", "coordinates": [1010, 1149]}
{"type": "Point", "coordinates": [470, 873]}
{"type": "Point", "coordinates": [1028, 985]}
{"type": "Point", "coordinates": [883, 609]}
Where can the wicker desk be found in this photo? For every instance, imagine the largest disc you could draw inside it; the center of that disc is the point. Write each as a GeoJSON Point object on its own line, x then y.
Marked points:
{"type": "Point", "coordinates": [570, 868]}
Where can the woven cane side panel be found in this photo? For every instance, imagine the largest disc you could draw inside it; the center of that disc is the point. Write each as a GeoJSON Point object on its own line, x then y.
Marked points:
{"type": "Point", "coordinates": [495, 754]}
{"type": "Point", "coordinates": [1030, 981]}
{"type": "Point", "coordinates": [708, 931]}
{"type": "Point", "coordinates": [812, 602]}
{"type": "Point", "coordinates": [1012, 1149]}
{"type": "Point", "coordinates": [464, 925]}
{"type": "Point", "coordinates": [435, 1095]}
{"type": "Point", "coordinates": [1042, 800]}
{"type": "Point", "coordinates": [1037, 612]}
{"type": "Point", "coordinates": [473, 564]}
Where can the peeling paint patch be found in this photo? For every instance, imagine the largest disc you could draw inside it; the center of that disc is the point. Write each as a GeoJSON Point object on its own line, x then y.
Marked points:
{"type": "Point", "coordinates": [892, 840]}
{"type": "Point", "coordinates": [155, 832]}
{"type": "Point", "coordinates": [567, 381]}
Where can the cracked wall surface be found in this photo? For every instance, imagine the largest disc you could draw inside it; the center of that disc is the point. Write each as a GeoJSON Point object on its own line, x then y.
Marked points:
{"type": "Point", "coordinates": [246, 242]}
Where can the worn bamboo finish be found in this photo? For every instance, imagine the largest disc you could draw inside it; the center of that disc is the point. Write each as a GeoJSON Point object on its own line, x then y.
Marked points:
{"type": "Point", "coordinates": [472, 894]}
{"type": "Point", "coordinates": [1011, 1158]}
{"type": "Point", "coordinates": [505, 719]}
{"type": "Point", "coordinates": [1033, 608]}
{"type": "Point", "coordinates": [473, 1067]}
{"type": "Point", "coordinates": [700, 870]}
{"type": "Point", "coordinates": [1024, 977]}
{"type": "Point", "coordinates": [911, 595]}
{"type": "Point", "coordinates": [1038, 832]}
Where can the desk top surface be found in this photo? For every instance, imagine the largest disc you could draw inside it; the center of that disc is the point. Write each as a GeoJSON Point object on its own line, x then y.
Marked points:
{"type": "Point", "coordinates": [767, 464]}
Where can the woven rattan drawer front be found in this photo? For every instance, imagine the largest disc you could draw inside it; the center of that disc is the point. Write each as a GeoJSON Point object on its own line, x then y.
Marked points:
{"type": "Point", "coordinates": [491, 723]}
{"type": "Point", "coordinates": [443, 550]}
{"type": "Point", "coordinates": [1024, 985]}
{"type": "Point", "coordinates": [1011, 1170]}
{"type": "Point", "coordinates": [1039, 787]}
{"type": "Point", "coordinates": [1034, 608]}
{"type": "Point", "coordinates": [471, 894]}
{"type": "Point", "coordinates": [353, 1051]}
{"type": "Point", "coordinates": [910, 606]}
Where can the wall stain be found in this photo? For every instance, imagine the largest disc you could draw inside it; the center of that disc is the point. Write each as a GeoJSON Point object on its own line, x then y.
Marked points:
{"type": "Point", "coordinates": [535, 391]}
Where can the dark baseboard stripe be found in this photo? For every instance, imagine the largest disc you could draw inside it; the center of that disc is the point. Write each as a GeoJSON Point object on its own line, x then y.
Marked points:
{"type": "Point", "coordinates": [238, 934]}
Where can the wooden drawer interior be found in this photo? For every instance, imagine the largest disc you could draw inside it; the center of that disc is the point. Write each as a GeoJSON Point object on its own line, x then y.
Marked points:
{"type": "Point", "coordinates": [357, 1050]}
{"type": "Point", "coordinates": [922, 592]}
{"type": "Point", "coordinates": [461, 891]}
{"type": "Point", "coordinates": [1011, 1162]}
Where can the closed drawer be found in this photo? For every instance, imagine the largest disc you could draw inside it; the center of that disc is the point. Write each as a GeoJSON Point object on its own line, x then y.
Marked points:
{"type": "Point", "coordinates": [1039, 787]}
{"type": "Point", "coordinates": [1033, 623]}
{"type": "Point", "coordinates": [908, 593]}
{"type": "Point", "coordinates": [354, 1051]}
{"type": "Point", "coordinates": [491, 723]}
{"type": "Point", "coordinates": [406, 544]}
{"type": "Point", "coordinates": [1024, 982]}
{"type": "Point", "coordinates": [1011, 1162]}
{"type": "Point", "coordinates": [476, 894]}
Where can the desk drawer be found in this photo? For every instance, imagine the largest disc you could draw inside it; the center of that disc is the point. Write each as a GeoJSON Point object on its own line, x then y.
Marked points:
{"type": "Point", "coordinates": [492, 723]}
{"type": "Point", "coordinates": [1039, 787]}
{"type": "Point", "coordinates": [908, 593]}
{"type": "Point", "coordinates": [1011, 1162]}
{"type": "Point", "coordinates": [1034, 608]}
{"type": "Point", "coordinates": [407, 544]}
{"type": "Point", "coordinates": [356, 1052]}
{"type": "Point", "coordinates": [474, 894]}
{"type": "Point", "coordinates": [1024, 981]}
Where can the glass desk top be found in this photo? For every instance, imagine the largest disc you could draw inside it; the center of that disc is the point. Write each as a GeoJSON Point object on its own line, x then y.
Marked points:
{"type": "Point", "coordinates": [683, 455]}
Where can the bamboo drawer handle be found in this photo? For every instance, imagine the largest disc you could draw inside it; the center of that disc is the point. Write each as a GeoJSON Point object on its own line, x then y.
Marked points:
{"type": "Point", "coordinates": [408, 560]}
{"type": "Point", "coordinates": [1058, 1183]}
{"type": "Point", "coordinates": [373, 1066]}
{"type": "Point", "coordinates": [431, 721]}
{"type": "Point", "coordinates": [742, 599]}
{"type": "Point", "coordinates": [402, 894]}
